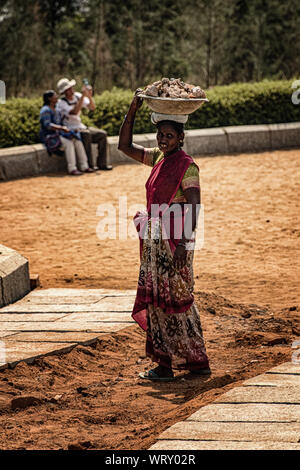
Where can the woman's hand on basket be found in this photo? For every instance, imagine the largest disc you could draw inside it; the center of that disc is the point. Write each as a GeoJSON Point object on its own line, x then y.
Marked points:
{"type": "Point", "coordinates": [137, 101]}
{"type": "Point", "coordinates": [179, 258]}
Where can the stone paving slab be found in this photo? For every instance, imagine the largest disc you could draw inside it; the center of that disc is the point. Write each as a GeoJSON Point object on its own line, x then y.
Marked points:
{"type": "Point", "coordinates": [286, 367]}
{"type": "Point", "coordinates": [104, 305]}
{"type": "Point", "coordinates": [99, 317]}
{"type": "Point", "coordinates": [30, 317]}
{"type": "Point", "coordinates": [274, 380]}
{"type": "Point", "coordinates": [3, 334]}
{"type": "Point", "coordinates": [261, 395]}
{"type": "Point", "coordinates": [97, 327]}
{"type": "Point", "coordinates": [234, 431]}
{"type": "Point", "coordinates": [109, 303]}
{"type": "Point", "coordinates": [76, 299]}
{"type": "Point", "coordinates": [64, 291]}
{"type": "Point", "coordinates": [18, 351]}
{"type": "Point", "coordinates": [223, 445]}
{"type": "Point", "coordinates": [243, 412]}
{"type": "Point", "coordinates": [57, 337]}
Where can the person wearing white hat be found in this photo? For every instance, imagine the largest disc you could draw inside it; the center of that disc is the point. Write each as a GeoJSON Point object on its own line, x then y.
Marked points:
{"type": "Point", "coordinates": [62, 138]}
{"type": "Point", "coordinates": [70, 107]}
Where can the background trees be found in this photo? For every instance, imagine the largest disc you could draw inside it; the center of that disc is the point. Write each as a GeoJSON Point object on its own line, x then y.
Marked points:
{"type": "Point", "coordinates": [127, 44]}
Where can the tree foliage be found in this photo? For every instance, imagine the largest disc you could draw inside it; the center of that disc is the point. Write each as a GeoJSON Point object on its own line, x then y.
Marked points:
{"type": "Point", "coordinates": [128, 44]}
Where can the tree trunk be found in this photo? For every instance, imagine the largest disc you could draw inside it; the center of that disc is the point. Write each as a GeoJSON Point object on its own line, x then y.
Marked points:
{"type": "Point", "coordinates": [99, 22]}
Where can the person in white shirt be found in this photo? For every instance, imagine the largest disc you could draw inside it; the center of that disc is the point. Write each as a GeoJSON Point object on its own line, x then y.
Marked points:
{"type": "Point", "coordinates": [69, 107]}
{"type": "Point", "coordinates": [65, 139]}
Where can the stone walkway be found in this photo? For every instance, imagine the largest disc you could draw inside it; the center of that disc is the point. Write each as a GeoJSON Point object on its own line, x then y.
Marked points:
{"type": "Point", "coordinates": [55, 320]}
{"type": "Point", "coordinates": [263, 413]}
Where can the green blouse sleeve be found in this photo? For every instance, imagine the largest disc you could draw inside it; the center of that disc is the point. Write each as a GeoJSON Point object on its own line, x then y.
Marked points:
{"type": "Point", "coordinates": [152, 156]}
{"type": "Point", "coordinates": [191, 178]}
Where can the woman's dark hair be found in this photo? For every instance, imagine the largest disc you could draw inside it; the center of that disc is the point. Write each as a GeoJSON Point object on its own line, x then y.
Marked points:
{"type": "Point", "coordinates": [47, 96]}
{"type": "Point", "coordinates": [177, 126]}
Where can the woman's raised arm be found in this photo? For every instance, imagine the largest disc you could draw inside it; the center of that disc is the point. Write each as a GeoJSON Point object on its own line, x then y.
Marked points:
{"type": "Point", "coordinates": [125, 139]}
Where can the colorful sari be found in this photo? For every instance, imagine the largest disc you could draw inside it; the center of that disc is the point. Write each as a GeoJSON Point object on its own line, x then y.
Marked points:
{"type": "Point", "coordinates": [164, 305]}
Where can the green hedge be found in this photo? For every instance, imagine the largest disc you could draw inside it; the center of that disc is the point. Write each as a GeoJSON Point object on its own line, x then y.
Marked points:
{"type": "Point", "coordinates": [264, 102]}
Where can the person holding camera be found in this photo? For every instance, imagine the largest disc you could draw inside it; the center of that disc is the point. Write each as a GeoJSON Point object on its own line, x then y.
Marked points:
{"type": "Point", "coordinates": [70, 107]}
{"type": "Point", "coordinates": [58, 139]}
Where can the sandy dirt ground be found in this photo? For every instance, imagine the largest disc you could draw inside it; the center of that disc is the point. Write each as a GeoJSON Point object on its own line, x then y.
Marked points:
{"type": "Point", "coordinates": [246, 288]}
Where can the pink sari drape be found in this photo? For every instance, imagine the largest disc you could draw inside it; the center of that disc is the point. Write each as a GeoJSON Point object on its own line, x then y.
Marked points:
{"type": "Point", "coordinates": [161, 187]}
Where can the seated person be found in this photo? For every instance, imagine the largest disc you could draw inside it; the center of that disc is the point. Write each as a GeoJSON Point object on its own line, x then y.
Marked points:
{"type": "Point", "coordinates": [58, 138]}
{"type": "Point", "coordinates": [70, 106]}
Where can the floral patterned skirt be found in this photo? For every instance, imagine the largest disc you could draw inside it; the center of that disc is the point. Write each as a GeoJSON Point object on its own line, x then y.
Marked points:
{"type": "Point", "coordinates": [165, 299]}
{"type": "Point", "coordinates": [176, 341]}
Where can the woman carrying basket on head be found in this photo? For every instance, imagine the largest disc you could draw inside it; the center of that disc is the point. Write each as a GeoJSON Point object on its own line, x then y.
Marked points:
{"type": "Point", "coordinates": [164, 305]}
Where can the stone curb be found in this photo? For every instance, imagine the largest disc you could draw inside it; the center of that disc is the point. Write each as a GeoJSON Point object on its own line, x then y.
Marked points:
{"type": "Point", "coordinates": [14, 276]}
{"type": "Point", "coordinates": [32, 160]}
